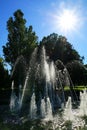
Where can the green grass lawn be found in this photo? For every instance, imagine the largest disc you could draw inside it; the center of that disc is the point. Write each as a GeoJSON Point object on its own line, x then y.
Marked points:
{"type": "Point", "coordinates": [76, 88]}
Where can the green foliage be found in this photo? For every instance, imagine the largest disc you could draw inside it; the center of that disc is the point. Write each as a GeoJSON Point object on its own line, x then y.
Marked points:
{"type": "Point", "coordinates": [21, 40]}
{"type": "Point", "coordinates": [85, 119]}
{"type": "Point", "coordinates": [5, 83]}
{"type": "Point", "coordinates": [68, 125]}
{"type": "Point", "coordinates": [78, 72]}
{"type": "Point", "coordinates": [4, 76]}
{"type": "Point", "coordinates": [86, 65]}
{"type": "Point", "coordinates": [57, 47]}
{"type": "Point", "coordinates": [30, 42]}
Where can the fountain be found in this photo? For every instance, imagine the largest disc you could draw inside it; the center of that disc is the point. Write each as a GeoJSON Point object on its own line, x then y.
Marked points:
{"type": "Point", "coordinates": [13, 98]}
{"type": "Point", "coordinates": [15, 101]}
{"type": "Point", "coordinates": [42, 92]}
{"type": "Point", "coordinates": [32, 107]}
{"type": "Point", "coordinates": [43, 110]}
{"type": "Point", "coordinates": [48, 111]}
{"type": "Point", "coordinates": [45, 79]}
{"type": "Point", "coordinates": [68, 114]}
{"type": "Point", "coordinates": [83, 103]}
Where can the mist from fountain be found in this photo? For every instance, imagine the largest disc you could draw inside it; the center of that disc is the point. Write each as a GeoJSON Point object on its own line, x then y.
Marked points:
{"type": "Point", "coordinates": [33, 59]}
{"type": "Point", "coordinates": [14, 100]}
{"type": "Point", "coordinates": [32, 112]}
{"type": "Point", "coordinates": [46, 109]}
{"type": "Point", "coordinates": [68, 114]}
{"type": "Point", "coordinates": [19, 96]}
{"type": "Point", "coordinates": [63, 95]}
{"type": "Point", "coordinates": [43, 71]}
{"type": "Point", "coordinates": [69, 81]}
{"type": "Point", "coordinates": [83, 103]}
{"type": "Point", "coordinates": [43, 110]}
{"type": "Point", "coordinates": [13, 97]}
{"type": "Point", "coordinates": [49, 115]}
{"type": "Point", "coordinates": [52, 73]}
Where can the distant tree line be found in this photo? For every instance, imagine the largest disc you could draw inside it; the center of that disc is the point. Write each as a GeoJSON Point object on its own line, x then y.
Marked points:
{"type": "Point", "coordinates": [22, 40]}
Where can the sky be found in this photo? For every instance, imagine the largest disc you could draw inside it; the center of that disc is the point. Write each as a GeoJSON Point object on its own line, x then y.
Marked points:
{"type": "Point", "coordinates": [50, 16]}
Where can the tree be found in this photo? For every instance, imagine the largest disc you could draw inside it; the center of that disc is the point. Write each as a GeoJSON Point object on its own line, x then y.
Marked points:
{"type": "Point", "coordinates": [5, 83]}
{"type": "Point", "coordinates": [21, 40]}
{"type": "Point", "coordinates": [4, 76]}
{"type": "Point", "coordinates": [57, 47]}
{"type": "Point", "coordinates": [49, 42]}
{"type": "Point", "coordinates": [78, 72]}
{"type": "Point", "coordinates": [85, 66]}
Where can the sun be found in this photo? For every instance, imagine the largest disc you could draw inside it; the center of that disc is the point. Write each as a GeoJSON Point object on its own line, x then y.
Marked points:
{"type": "Point", "coordinates": [67, 20]}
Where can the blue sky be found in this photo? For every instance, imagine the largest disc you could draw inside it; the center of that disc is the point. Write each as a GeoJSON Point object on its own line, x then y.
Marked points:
{"type": "Point", "coordinates": [42, 15]}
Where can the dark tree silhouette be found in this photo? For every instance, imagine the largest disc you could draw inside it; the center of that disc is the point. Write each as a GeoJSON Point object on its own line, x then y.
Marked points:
{"type": "Point", "coordinates": [5, 83]}
{"type": "Point", "coordinates": [78, 72]}
{"type": "Point", "coordinates": [58, 47]}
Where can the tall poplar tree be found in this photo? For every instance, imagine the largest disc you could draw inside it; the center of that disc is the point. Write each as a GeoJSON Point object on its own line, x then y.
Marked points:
{"type": "Point", "coordinates": [21, 39]}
